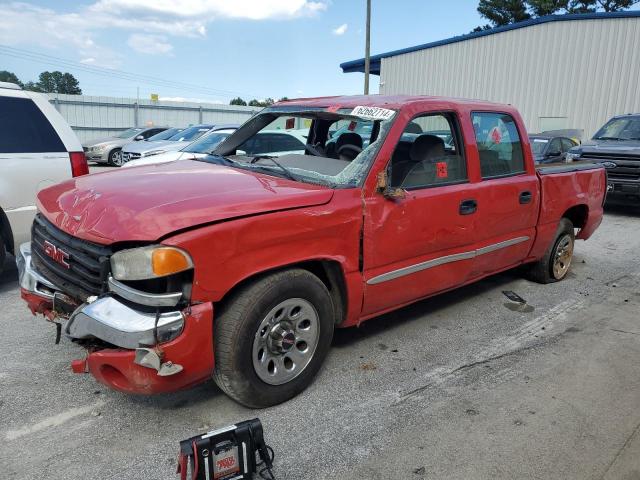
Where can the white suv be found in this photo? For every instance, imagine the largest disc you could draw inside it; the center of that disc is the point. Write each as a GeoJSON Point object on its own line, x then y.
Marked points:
{"type": "Point", "coordinates": [37, 149]}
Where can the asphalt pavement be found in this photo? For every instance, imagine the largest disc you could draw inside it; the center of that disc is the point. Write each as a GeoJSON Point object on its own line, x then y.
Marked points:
{"type": "Point", "coordinates": [465, 385]}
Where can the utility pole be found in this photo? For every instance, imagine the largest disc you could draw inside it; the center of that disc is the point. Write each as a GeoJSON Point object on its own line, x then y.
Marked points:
{"type": "Point", "coordinates": [367, 52]}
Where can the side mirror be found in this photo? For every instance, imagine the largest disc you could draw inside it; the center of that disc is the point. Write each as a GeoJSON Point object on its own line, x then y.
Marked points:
{"type": "Point", "coordinates": [391, 193]}
{"type": "Point", "coordinates": [240, 152]}
{"type": "Point", "coordinates": [138, 138]}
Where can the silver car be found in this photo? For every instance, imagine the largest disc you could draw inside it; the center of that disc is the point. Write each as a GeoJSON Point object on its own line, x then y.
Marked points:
{"type": "Point", "coordinates": [109, 149]}
{"type": "Point", "coordinates": [138, 150]}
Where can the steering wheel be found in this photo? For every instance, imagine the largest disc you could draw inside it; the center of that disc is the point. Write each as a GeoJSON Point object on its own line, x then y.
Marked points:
{"type": "Point", "coordinates": [314, 149]}
{"type": "Point", "coordinates": [350, 148]}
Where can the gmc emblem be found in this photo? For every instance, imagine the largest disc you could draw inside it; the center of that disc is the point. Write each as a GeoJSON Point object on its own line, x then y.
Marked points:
{"type": "Point", "coordinates": [58, 255]}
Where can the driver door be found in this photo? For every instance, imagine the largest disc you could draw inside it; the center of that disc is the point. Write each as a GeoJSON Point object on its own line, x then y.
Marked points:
{"type": "Point", "coordinates": [421, 244]}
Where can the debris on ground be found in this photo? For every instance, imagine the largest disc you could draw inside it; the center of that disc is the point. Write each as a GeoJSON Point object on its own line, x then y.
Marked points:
{"type": "Point", "coordinates": [368, 366]}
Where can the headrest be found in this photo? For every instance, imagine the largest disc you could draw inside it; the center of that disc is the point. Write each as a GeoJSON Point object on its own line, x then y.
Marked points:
{"type": "Point", "coordinates": [413, 127]}
{"type": "Point", "coordinates": [425, 147]}
{"type": "Point", "coordinates": [349, 138]}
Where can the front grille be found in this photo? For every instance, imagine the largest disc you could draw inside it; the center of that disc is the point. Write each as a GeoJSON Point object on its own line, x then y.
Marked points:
{"type": "Point", "coordinates": [613, 175]}
{"type": "Point", "coordinates": [610, 156]}
{"type": "Point", "coordinates": [88, 262]}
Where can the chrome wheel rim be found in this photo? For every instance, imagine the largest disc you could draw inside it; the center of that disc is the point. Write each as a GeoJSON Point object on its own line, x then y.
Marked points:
{"type": "Point", "coordinates": [285, 341]}
{"type": "Point", "coordinates": [116, 157]}
{"type": "Point", "coordinates": [562, 256]}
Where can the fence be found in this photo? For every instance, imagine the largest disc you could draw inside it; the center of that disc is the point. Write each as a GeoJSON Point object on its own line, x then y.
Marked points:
{"type": "Point", "coordinates": [92, 117]}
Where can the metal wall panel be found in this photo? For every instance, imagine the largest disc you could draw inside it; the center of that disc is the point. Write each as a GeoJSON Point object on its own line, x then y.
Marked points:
{"type": "Point", "coordinates": [93, 116]}
{"type": "Point", "coordinates": [576, 73]}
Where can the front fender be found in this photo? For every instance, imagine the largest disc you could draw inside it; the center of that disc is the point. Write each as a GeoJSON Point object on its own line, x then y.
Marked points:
{"type": "Point", "coordinates": [227, 253]}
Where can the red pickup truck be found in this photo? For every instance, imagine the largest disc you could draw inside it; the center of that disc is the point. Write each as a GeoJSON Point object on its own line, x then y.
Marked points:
{"type": "Point", "coordinates": [239, 264]}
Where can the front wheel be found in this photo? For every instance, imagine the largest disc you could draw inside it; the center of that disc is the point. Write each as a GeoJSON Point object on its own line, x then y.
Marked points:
{"type": "Point", "coordinates": [556, 262]}
{"type": "Point", "coordinates": [115, 158]}
{"type": "Point", "coordinates": [272, 336]}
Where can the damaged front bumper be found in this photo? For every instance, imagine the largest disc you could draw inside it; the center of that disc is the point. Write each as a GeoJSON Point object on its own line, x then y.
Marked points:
{"type": "Point", "coordinates": [147, 353]}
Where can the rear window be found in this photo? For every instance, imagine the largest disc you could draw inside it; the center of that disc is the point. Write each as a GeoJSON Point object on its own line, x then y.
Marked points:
{"type": "Point", "coordinates": [498, 143]}
{"type": "Point", "coordinates": [25, 129]}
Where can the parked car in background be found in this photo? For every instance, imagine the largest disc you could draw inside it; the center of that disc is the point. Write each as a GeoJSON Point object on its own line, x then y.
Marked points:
{"type": "Point", "coordinates": [268, 142]}
{"type": "Point", "coordinates": [37, 150]}
{"type": "Point", "coordinates": [548, 148]}
{"type": "Point", "coordinates": [617, 147]}
{"type": "Point", "coordinates": [109, 149]}
{"type": "Point", "coordinates": [201, 147]}
{"type": "Point", "coordinates": [239, 266]}
{"type": "Point", "coordinates": [171, 144]}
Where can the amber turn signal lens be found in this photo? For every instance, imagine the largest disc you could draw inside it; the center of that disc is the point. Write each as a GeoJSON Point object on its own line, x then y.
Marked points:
{"type": "Point", "coordinates": [166, 261]}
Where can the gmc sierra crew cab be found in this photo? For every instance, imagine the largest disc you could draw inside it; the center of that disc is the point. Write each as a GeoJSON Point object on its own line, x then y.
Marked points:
{"type": "Point", "coordinates": [241, 266]}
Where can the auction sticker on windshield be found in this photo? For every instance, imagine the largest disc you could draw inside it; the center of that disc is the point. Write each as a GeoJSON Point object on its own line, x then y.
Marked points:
{"type": "Point", "coordinates": [373, 113]}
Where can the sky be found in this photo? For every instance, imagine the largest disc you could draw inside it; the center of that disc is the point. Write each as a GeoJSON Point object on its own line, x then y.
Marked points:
{"type": "Point", "coordinates": [214, 50]}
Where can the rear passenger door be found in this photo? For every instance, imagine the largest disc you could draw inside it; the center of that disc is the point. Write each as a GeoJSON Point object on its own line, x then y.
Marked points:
{"type": "Point", "coordinates": [420, 244]}
{"type": "Point", "coordinates": [32, 157]}
{"type": "Point", "coordinates": [507, 195]}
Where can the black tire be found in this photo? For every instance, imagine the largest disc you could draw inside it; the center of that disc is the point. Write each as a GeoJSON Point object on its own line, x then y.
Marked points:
{"type": "Point", "coordinates": [236, 327]}
{"type": "Point", "coordinates": [543, 270]}
{"type": "Point", "coordinates": [115, 157]}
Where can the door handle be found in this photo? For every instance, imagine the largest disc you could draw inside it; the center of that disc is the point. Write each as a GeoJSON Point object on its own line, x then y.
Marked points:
{"type": "Point", "coordinates": [467, 207]}
{"type": "Point", "coordinates": [525, 197]}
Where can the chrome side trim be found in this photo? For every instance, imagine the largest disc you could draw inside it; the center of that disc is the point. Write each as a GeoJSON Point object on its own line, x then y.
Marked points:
{"type": "Point", "coordinates": [144, 298]}
{"type": "Point", "coordinates": [418, 267]}
{"type": "Point", "coordinates": [456, 257]}
{"type": "Point", "coordinates": [500, 245]}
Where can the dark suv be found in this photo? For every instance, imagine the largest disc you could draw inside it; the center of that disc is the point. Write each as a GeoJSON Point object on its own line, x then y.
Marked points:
{"type": "Point", "coordinates": [617, 147]}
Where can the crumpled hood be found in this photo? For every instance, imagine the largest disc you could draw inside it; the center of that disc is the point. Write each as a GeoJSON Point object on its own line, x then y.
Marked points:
{"type": "Point", "coordinates": [147, 203]}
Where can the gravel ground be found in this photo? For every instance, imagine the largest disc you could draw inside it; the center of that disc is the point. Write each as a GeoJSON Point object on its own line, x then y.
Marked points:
{"type": "Point", "coordinates": [458, 386]}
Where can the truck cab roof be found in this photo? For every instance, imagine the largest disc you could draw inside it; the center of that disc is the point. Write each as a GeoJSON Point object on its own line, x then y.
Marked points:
{"type": "Point", "coordinates": [391, 101]}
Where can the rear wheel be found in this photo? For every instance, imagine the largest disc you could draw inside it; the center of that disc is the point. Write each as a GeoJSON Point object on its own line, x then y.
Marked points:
{"type": "Point", "coordinates": [271, 338]}
{"type": "Point", "coordinates": [115, 158]}
{"type": "Point", "coordinates": [556, 262]}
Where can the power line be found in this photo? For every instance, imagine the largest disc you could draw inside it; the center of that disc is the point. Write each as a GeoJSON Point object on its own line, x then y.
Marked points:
{"type": "Point", "coordinates": [27, 55]}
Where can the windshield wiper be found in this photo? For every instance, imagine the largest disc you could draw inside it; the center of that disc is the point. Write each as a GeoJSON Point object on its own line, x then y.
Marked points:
{"type": "Point", "coordinates": [225, 160]}
{"type": "Point", "coordinates": [608, 138]}
{"type": "Point", "coordinates": [288, 173]}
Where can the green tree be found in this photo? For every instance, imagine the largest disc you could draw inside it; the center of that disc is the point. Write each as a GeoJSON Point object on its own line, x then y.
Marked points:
{"type": "Point", "coordinates": [503, 12]}
{"type": "Point", "coordinates": [616, 5]}
{"type": "Point", "coordinates": [32, 86]}
{"type": "Point", "coordinates": [261, 103]}
{"type": "Point", "coordinates": [238, 101]}
{"type": "Point", "coordinates": [58, 82]}
{"type": "Point", "coordinates": [6, 76]}
{"type": "Point", "coordinates": [541, 8]}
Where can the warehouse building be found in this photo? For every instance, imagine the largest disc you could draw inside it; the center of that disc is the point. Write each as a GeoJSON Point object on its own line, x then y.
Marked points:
{"type": "Point", "coordinates": [560, 71]}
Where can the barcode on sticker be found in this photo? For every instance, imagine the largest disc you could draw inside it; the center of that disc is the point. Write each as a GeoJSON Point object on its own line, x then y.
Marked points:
{"type": "Point", "coordinates": [373, 113]}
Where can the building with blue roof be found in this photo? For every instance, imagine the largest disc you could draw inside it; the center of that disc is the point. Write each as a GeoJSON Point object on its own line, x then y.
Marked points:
{"type": "Point", "coordinates": [560, 71]}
